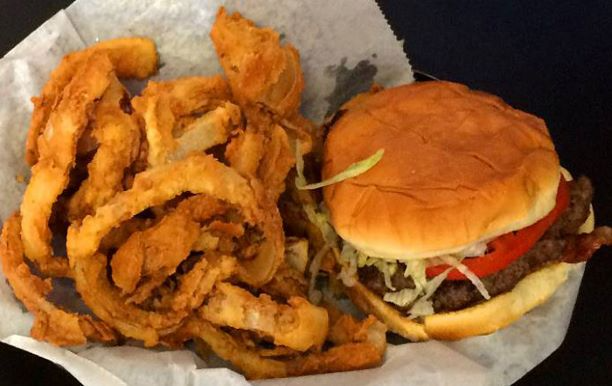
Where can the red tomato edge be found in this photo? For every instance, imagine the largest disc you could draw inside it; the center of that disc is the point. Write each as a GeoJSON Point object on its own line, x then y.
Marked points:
{"type": "Point", "coordinates": [510, 246]}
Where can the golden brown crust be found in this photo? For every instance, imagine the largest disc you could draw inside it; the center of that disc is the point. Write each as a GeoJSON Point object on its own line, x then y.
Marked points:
{"type": "Point", "coordinates": [133, 57]}
{"type": "Point", "coordinates": [260, 70]}
{"type": "Point", "coordinates": [57, 147]}
{"type": "Point", "coordinates": [452, 156]}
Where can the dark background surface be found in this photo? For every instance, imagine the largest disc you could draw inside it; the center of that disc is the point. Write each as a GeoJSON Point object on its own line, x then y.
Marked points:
{"type": "Point", "coordinates": [550, 58]}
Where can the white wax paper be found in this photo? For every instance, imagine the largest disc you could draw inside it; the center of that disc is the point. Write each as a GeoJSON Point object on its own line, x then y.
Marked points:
{"type": "Point", "coordinates": [326, 33]}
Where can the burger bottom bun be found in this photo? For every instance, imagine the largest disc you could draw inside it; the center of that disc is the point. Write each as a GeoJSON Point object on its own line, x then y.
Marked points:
{"type": "Point", "coordinates": [480, 319]}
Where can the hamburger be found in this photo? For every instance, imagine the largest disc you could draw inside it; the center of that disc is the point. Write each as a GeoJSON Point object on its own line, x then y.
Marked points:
{"type": "Point", "coordinates": [466, 223]}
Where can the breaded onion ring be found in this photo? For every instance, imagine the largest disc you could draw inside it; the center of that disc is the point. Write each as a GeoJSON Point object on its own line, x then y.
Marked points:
{"type": "Point", "coordinates": [118, 136]}
{"type": "Point", "coordinates": [198, 173]}
{"type": "Point", "coordinates": [57, 148]}
{"type": "Point", "coordinates": [106, 302]}
{"type": "Point", "coordinates": [51, 323]}
{"type": "Point", "coordinates": [149, 256]}
{"type": "Point", "coordinates": [260, 71]}
{"type": "Point", "coordinates": [133, 57]}
{"type": "Point", "coordinates": [185, 115]}
{"type": "Point", "coordinates": [298, 324]}
{"type": "Point", "coordinates": [360, 351]}
{"type": "Point", "coordinates": [267, 81]}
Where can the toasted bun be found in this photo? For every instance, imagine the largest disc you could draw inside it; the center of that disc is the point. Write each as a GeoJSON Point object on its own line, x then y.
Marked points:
{"type": "Point", "coordinates": [484, 318]}
{"type": "Point", "coordinates": [459, 167]}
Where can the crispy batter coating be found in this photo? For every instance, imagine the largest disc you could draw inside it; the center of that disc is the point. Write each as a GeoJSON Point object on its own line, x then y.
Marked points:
{"type": "Point", "coordinates": [154, 254]}
{"type": "Point", "coordinates": [118, 136]}
{"type": "Point", "coordinates": [119, 235]}
{"type": "Point", "coordinates": [51, 323]}
{"type": "Point", "coordinates": [263, 154]}
{"type": "Point", "coordinates": [267, 81]}
{"type": "Point", "coordinates": [276, 162]}
{"type": "Point", "coordinates": [198, 173]}
{"type": "Point", "coordinates": [265, 150]}
{"type": "Point", "coordinates": [57, 149]}
{"type": "Point", "coordinates": [132, 57]}
{"type": "Point", "coordinates": [246, 150]}
{"type": "Point", "coordinates": [185, 115]}
{"type": "Point", "coordinates": [106, 302]}
{"type": "Point", "coordinates": [150, 256]}
{"type": "Point", "coordinates": [259, 69]}
{"type": "Point", "coordinates": [355, 352]}
{"type": "Point", "coordinates": [298, 324]}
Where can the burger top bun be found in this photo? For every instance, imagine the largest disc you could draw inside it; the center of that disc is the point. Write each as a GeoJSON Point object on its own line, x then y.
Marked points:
{"type": "Point", "coordinates": [459, 167]}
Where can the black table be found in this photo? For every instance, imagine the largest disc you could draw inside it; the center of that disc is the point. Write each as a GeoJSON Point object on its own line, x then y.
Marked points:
{"type": "Point", "coordinates": [553, 60]}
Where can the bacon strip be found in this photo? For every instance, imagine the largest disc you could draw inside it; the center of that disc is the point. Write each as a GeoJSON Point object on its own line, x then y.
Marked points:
{"type": "Point", "coordinates": [581, 247]}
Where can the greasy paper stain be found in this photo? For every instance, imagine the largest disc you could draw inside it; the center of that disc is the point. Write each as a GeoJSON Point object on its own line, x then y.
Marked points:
{"type": "Point", "coordinates": [349, 82]}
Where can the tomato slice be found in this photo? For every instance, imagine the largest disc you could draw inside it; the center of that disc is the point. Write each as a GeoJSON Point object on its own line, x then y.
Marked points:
{"type": "Point", "coordinates": [508, 247]}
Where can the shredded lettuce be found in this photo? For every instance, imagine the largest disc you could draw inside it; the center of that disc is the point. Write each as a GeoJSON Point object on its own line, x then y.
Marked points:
{"type": "Point", "coordinates": [320, 218]}
{"type": "Point", "coordinates": [416, 270]}
{"type": "Point", "coordinates": [418, 298]}
{"type": "Point", "coordinates": [387, 273]}
{"type": "Point", "coordinates": [404, 297]}
{"type": "Point", "coordinates": [434, 283]}
{"type": "Point", "coordinates": [353, 170]}
{"type": "Point", "coordinates": [456, 263]}
{"type": "Point", "coordinates": [321, 221]}
{"type": "Point", "coordinates": [424, 306]}
{"type": "Point", "coordinates": [352, 259]}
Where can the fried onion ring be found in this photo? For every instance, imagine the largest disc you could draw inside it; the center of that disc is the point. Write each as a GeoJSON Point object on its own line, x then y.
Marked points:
{"type": "Point", "coordinates": [184, 115]}
{"type": "Point", "coordinates": [133, 57]}
{"type": "Point", "coordinates": [353, 354]}
{"type": "Point", "coordinates": [131, 321]}
{"type": "Point", "coordinates": [155, 253]}
{"type": "Point", "coordinates": [260, 71]}
{"type": "Point", "coordinates": [165, 243]}
{"type": "Point", "coordinates": [298, 325]}
{"type": "Point", "coordinates": [118, 136]}
{"type": "Point", "coordinates": [267, 81]}
{"type": "Point", "coordinates": [198, 173]}
{"type": "Point", "coordinates": [51, 323]}
{"type": "Point", "coordinates": [57, 148]}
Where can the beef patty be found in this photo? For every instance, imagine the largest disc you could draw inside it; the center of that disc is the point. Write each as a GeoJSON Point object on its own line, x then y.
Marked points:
{"type": "Point", "coordinates": [455, 295]}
